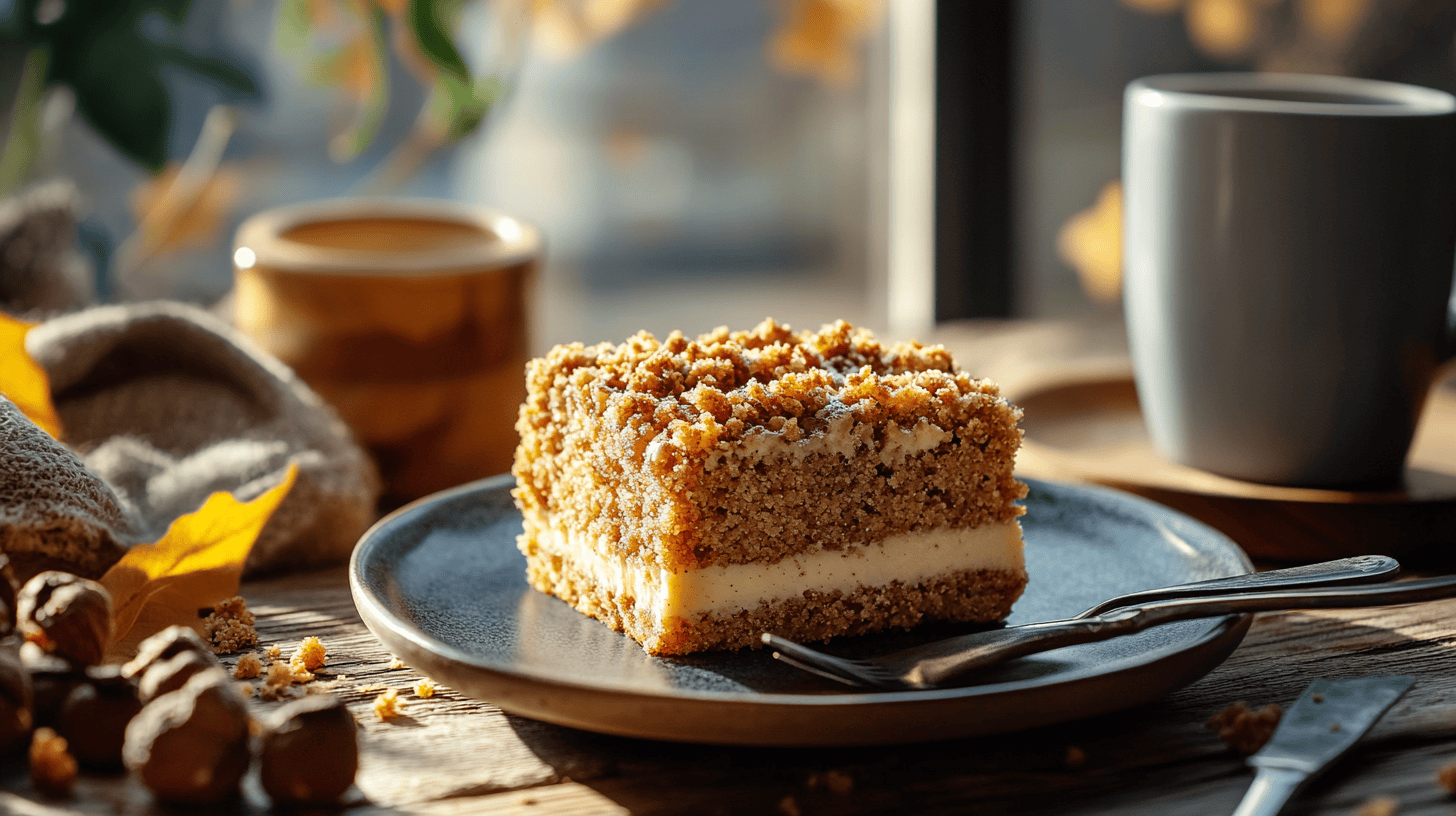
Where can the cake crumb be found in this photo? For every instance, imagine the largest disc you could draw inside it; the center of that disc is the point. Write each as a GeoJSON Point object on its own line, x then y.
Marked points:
{"type": "Point", "coordinates": [1076, 757]}
{"type": "Point", "coordinates": [273, 694]}
{"type": "Point", "coordinates": [387, 705]}
{"type": "Point", "coordinates": [52, 768]}
{"type": "Point", "coordinates": [325, 686]}
{"type": "Point", "coordinates": [425, 688]}
{"type": "Point", "coordinates": [248, 666]}
{"type": "Point", "coordinates": [1334, 727]}
{"type": "Point", "coordinates": [370, 688]}
{"type": "Point", "coordinates": [274, 652]}
{"type": "Point", "coordinates": [1244, 729]}
{"type": "Point", "coordinates": [310, 655]}
{"type": "Point", "coordinates": [286, 674]}
{"type": "Point", "coordinates": [245, 689]}
{"type": "Point", "coordinates": [395, 663]}
{"type": "Point", "coordinates": [838, 783]}
{"type": "Point", "coordinates": [1379, 806]}
{"type": "Point", "coordinates": [229, 627]}
{"type": "Point", "coordinates": [279, 674]}
{"type": "Point", "coordinates": [1317, 698]}
{"type": "Point", "coordinates": [1446, 777]}
{"type": "Point", "coordinates": [835, 781]}
{"type": "Point", "coordinates": [789, 807]}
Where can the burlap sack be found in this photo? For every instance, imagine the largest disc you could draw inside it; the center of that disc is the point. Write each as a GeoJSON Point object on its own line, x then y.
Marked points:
{"type": "Point", "coordinates": [163, 404]}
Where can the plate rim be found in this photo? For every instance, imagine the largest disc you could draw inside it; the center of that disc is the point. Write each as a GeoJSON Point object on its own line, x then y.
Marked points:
{"type": "Point", "coordinates": [377, 616]}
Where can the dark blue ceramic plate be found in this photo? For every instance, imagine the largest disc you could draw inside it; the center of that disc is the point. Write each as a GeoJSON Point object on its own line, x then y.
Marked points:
{"type": "Point", "coordinates": [441, 584]}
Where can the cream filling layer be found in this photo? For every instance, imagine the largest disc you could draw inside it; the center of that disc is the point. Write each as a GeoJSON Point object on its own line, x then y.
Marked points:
{"type": "Point", "coordinates": [912, 558]}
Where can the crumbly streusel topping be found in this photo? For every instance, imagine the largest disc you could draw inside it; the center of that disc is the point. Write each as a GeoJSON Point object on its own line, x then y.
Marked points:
{"type": "Point", "coordinates": [724, 384]}
{"type": "Point", "coordinates": [615, 441]}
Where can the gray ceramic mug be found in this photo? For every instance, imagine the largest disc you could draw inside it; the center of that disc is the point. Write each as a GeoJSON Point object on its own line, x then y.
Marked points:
{"type": "Point", "coordinates": [1288, 253]}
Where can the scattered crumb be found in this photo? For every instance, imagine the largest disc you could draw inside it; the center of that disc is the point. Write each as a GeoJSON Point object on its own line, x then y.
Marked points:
{"type": "Point", "coordinates": [789, 807]}
{"type": "Point", "coordinates": [230, 626]}
{"type": "Point", "coordinates": [1446, 776]}
{"type": "Point", "coordinates": [279, 674]}
{"type": "Point", "coordinates": [247, 666]}
{"type": "Point", "coordinates": [1334, 727]}
{"type": "Point", "coordinates": [273, 694]}
{"type": "Point", "coordinates": [1317, 698]}
{"type": "Point", "coordinates": [838, 783]}
{"type": "Point", "coordinates": [325, 686]}
{"type": "Point", "coordinates": [310, 655]}
{"type": "Point", "coordinates": [245, 689]}
{"type": "Point", "coordinates": [526, 800]}
{"type": "Point", "coordinates": [1244, 729]}
{"type": "Point", "coordinates": [52, 768]}
{"type": "Point", "coordinates": [286, 674]}
{"type": "Point", "coordinates": [370, 688]}
{"type": "Point", "coordinates": [1076, 757]}
{"type": "Point", "coordinates": [387, 706]}
{"type": "Point", "coordinates": [396, 663]}
{"type": "Point", "coordinates": [425, 688]}
{"type": "Point", "coordinates": [1379, 806]}
{"type": "Point", "coordinates": [274, 652]}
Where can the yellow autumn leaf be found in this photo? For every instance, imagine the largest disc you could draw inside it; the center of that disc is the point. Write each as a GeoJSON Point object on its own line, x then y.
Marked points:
{"type": "Point", "coordinates": [198, 563]}
{"type": "Point", "coordinates": [1091, 243]}
{"type": "Point", "coordinates": [22, 379]}
{"type": "Point", "coordinates": [821, 37]}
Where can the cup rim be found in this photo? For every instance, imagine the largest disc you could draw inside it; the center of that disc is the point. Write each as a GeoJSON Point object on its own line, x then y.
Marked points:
{"type": "Point", "coordinates": [514, 241]}
{"type": "Point", "coordinates": [1210, 91]}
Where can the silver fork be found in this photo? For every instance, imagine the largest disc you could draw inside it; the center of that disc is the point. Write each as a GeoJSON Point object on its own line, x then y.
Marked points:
{"type": "Point", "coordinates": [1361, 569]}
{"type": "Point", "coordinates": [935, 663]}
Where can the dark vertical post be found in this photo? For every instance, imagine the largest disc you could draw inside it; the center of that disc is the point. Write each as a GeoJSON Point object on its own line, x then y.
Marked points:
{"type": "Point", "coordinates": [974, 53]}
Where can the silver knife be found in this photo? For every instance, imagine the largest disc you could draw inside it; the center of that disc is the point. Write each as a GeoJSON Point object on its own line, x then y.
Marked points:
{"type": "Point", "coordinates": [1318, 729]}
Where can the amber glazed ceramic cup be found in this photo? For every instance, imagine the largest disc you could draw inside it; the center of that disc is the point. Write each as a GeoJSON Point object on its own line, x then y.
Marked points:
{"type": "Point", "coordinates": [409, 316]}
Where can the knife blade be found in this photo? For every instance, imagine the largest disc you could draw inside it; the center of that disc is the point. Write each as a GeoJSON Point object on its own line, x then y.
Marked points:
{"type": "Point", "coordinates": [1324, 723]}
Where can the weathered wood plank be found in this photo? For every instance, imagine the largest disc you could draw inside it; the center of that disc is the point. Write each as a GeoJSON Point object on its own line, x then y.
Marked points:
{"type": "Point", "coordinates": [451, 753]}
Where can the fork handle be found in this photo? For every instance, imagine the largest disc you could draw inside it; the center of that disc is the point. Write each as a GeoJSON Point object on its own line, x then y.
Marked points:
{"type": "Point", "coordinates": [1361, 569]}
{"type": "Point", "coordinates": [944, 660]}
{"type": "Point", "coordinates": [1271, 791]}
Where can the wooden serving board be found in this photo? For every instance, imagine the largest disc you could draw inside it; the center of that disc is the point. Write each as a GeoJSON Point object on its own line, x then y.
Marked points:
{"type": "Point", "coordinates": [1089, 428]}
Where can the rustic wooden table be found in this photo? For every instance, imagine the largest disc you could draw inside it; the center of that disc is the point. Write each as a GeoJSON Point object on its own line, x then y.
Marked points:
{"type": "Point", "coordinates": [452, 754]}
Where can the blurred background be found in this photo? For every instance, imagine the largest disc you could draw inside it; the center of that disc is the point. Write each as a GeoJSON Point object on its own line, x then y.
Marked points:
{"type": "Point", "coordinates": [691, 163]}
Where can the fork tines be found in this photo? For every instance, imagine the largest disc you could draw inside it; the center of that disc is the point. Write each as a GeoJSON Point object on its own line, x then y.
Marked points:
{"type": "Point", "coordinates": [851, 672]}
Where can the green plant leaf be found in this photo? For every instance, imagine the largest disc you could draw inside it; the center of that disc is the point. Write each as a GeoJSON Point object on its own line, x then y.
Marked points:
{"type": "Point", "coordinates": [22, 138]}
{"type": "Point", "coordinates": [221, 72]}
{"type": "Point", "coordinates": [175, 11]}
{"type": "Point", "coordinates": [458, 108]}
{"type": "Point", "coordinates": [428, 22]}
{"type": "Point", "coordinates": [119, 92]}
{"type": "Point", "coordinates": [291, 29]}
{"type": "Point", "coordinates": [348, 144]}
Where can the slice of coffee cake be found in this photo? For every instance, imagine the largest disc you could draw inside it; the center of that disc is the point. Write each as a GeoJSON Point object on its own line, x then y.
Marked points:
{"type": "Point", "coordinates": [695, 493]}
